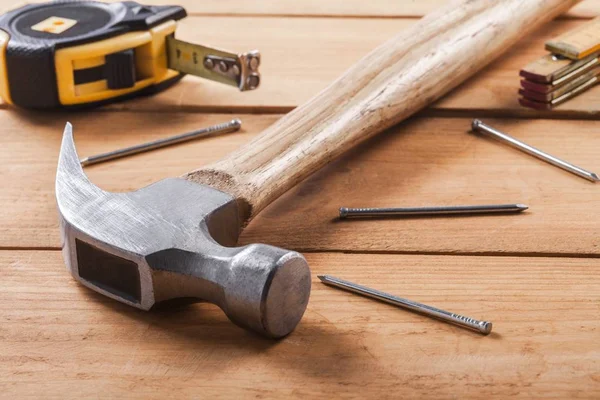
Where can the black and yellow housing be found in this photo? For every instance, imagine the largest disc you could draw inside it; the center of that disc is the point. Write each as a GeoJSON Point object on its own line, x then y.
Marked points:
{"type": "Point", "coordinates": [73, 54]}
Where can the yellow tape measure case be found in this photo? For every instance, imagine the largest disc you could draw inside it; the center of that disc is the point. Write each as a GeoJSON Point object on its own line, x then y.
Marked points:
{"type": "Point", "coordinates": [72, 54]}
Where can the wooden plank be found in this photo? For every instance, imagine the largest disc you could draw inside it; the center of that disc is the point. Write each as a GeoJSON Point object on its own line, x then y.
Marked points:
{"type": "Point", "coordinates": [32, 141]}
{"type": "Point", "coordinates": [437, 162]}
{"type": "Point", "coordinates": [329, 8]}
{"type": "Point", "coordinates": [346, 8]}
{"type": "Point", "coordinates": [425, 161]}
{"type": "Point", "coordinates": [301, 56]}
{"type": "Point", "coordinates": [62, 340]}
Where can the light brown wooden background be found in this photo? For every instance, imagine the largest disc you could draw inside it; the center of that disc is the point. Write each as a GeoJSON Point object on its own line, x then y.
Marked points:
{"type": "Point", "coordinates": [536, 275]}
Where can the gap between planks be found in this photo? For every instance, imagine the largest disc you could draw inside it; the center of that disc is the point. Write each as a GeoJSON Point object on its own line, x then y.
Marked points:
{"type": "Point", "coordinates": [391, 252]}
{"type": "Point", "coordinates": [423, 160]}
{"type": "Point", "coordinates": [425, 113]}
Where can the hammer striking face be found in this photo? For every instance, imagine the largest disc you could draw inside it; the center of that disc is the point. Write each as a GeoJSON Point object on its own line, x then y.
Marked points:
{"type": "Point", "coordinates": [173, 239]}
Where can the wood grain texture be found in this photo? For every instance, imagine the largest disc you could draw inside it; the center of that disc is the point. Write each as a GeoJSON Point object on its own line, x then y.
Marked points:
{"type": "Point", "coordinates": [438, 162]}
{"type": "Point", "coordinates": [31, 142]}
{"type": "Point", "coordinates": [59, 339]}
{"type": "Point", "coordinates": [347, 8]}
{"type": "Point", "coordinates": [425, 161]}
{"type": "Point", "coordinates": [319, 8]}
{"type": "Point", "coordinates": [394, 81]}
{"type": "Point", "coordinates": [301, 56]}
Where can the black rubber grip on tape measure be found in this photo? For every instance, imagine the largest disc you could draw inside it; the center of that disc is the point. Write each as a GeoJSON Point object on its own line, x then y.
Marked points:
{"type": "Point", "coordinates": [30, 53]}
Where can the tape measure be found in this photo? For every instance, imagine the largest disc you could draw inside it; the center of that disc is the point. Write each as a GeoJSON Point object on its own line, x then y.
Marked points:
{"type": "Point", "coordinates": [74, 53]}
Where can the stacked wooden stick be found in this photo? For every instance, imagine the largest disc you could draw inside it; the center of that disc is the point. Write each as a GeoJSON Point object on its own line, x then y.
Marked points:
{"type": "Point", "coordinates": [571, 67]}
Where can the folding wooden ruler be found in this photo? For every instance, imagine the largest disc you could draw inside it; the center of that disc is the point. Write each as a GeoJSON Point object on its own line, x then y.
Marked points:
{"type": "Point", "coordinates": [572, 67]}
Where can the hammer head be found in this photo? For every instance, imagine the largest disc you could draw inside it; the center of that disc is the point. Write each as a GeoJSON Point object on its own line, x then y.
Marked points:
{"type": "Point", "coordinates": [175, 239]}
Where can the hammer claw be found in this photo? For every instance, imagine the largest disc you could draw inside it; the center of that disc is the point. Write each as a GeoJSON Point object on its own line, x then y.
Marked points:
{"type": "Point", "coordinates": [174, 239]}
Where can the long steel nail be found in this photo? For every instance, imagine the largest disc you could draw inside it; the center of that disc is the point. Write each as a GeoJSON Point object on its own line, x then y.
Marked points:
{"type": "Point", "coordinates": [443, 210]}
{"type": "Point", "coordinates": [231, 126]}
{"type": "Point", "coordinates": [479, 126]}
{"type": "Point", "coordinates": [483, 327]}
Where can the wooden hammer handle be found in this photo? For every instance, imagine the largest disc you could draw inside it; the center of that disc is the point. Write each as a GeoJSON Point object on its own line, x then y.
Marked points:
{"type": "Point", "coordinates": [394, 81]}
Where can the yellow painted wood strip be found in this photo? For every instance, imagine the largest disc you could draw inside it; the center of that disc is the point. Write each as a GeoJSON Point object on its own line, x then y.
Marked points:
{"type": "Point", "coordinates": [432, 161]}
{"type": "Point", "coordinates": [579, 43]}
{"type": "Point", "coordinates": [62, 340]}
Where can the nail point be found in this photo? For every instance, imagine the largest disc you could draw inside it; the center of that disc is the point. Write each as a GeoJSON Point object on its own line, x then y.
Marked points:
{"type": "Point", "coordinates": [513, 142]}
{"type": "Point", "coordinates": [483, 327]}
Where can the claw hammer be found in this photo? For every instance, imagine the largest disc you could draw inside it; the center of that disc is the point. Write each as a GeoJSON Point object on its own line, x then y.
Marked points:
{"type": "Point", "coordinates": [177, 237]}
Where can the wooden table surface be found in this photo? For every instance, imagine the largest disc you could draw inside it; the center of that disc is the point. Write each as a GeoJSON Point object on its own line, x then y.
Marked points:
{"type": "Point", "coordinates": [536, 275]}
